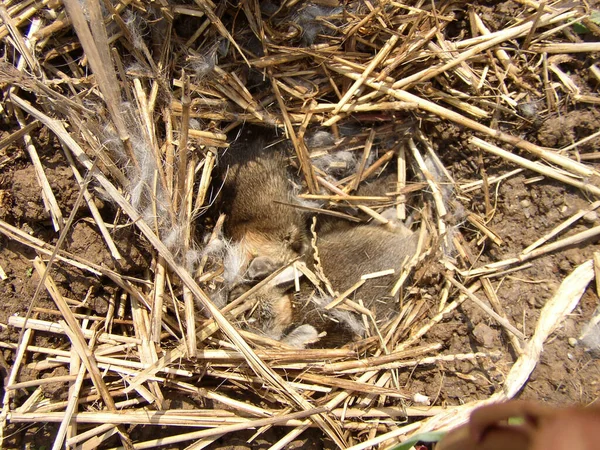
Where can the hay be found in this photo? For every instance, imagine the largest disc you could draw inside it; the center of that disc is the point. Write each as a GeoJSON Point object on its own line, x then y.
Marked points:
{"type": "Point", "coordinates": [142, 105]}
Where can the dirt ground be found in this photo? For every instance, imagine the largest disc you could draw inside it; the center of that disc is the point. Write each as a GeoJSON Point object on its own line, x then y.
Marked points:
{"type": "Point", "coordinates": [524, 208]}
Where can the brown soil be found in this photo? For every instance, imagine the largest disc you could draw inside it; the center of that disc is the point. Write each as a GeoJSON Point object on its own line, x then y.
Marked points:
{"type": "Point", "coordinates": [524, 211]}
{"type": "Point", "coordinates": [525, 208]}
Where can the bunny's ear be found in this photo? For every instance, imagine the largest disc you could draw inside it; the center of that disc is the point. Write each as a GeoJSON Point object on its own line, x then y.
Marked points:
{"type": "Point", "coordinates": [260, 267]}
{"type": "Point", "coordinates": [263, 266]}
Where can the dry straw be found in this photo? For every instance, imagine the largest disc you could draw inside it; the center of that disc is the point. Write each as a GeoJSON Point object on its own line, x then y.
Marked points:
{"type": "Point", "coordinates": [141, 107]}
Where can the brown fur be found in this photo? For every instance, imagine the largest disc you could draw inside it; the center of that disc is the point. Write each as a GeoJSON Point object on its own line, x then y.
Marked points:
{"type": "Point", "coordinates": [272, 315]}
{"type": "Point", "coordinates": [255, 179]}
{"type": "Point", "coordinates": [347, 254]}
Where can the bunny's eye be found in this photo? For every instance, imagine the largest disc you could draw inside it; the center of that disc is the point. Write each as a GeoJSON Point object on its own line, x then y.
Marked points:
{"type": "Point", "coordinates": [298, 246]}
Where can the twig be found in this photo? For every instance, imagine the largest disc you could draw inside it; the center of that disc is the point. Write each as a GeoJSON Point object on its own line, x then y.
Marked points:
{"type": "Point", "coordinates": [501, 320]}
{"type": "Point", "coordinates": [455, 117]}
{"type": "Point", "coordinates": [535, 166]}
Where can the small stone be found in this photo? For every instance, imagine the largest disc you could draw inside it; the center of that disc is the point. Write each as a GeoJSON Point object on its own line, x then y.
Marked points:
{"type": "Point", "coordinates": [27, 229]}
{"type": "Point", "coordinates": [572, 341]}
{"type": "Point", "coordinates": [564, 265]}
{"type": "Point", "coordinates": [591, 217]}
{"type": "Point", "coordinates": [485, 335]}
{"type": "Point", "coordinates": [525, 203]}
{"type": "Point", "coordinates": [575, 256]}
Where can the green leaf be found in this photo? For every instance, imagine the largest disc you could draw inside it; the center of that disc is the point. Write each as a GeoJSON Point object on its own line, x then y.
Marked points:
{"type": "Point", "coordinates": [432, 436]}
{"type": "Point", "coordinates": [516, 421]}
{"type": "Point", "coordinates": [580, 28]}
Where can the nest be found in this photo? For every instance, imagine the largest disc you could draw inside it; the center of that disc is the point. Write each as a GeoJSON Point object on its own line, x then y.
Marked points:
{"type": "Point", "coordinates": [141, 98]}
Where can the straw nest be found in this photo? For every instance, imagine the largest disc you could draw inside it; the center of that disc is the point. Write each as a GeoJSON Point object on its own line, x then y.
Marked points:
{"type": "Point", "coordinates": [141, 97]}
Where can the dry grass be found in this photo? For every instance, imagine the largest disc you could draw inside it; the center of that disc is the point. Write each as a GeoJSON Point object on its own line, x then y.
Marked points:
{"type": "Point", "coordinates": [69, 68]}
